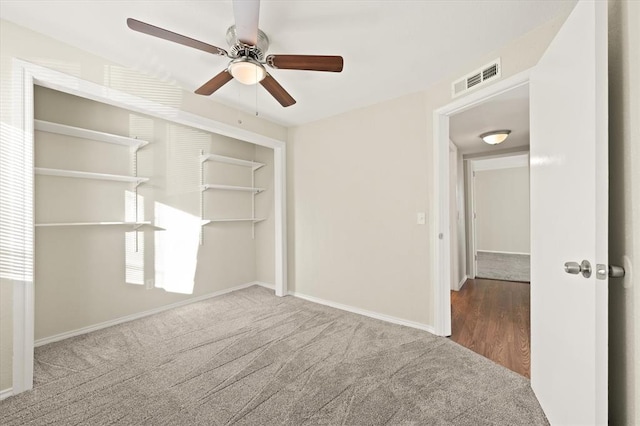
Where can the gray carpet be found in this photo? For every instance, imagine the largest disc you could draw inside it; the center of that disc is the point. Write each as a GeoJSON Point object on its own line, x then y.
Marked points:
{"type": "Point", "coordinates": [504, 266]}
{"type": "Point", "coordinates": [250, 358]}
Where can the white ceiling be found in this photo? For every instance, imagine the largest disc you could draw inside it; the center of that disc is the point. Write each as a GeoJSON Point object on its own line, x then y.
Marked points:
{"type": "Point", "coordinates": [509, 110]}
{"type": "Point", "coordinates": [390, 48]}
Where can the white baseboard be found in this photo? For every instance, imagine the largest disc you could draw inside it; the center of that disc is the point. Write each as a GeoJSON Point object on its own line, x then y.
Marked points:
{"type": "Point", "coordinates": [6, 393]}
{"type": "Point", "coordinates": [364, 312]}
{"type": "Point", "coordinates": [461, 283]}
{"type": "Point", "coordinates": [138, 315]}
{"type": "Point", "coordinates": [265, 285]}
{"type": "Point", "coordinates": [99, 326]}
{"type": "Point", "coordinates": [503, 252]}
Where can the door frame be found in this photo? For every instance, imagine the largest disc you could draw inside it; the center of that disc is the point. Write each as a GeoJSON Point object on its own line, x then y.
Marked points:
{"type": "Point", "coordinates": [453, 248]}
{"type": "Point", "coordinates": [441, 274]}
{"type": "Point", "coordinates": [25, 76]}
{"type": "Point", "coordinates": [470, 209]}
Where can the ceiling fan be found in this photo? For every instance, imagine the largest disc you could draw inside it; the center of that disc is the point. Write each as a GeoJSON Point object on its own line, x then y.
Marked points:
{"type": "Point", "coordinates": [247, 51]}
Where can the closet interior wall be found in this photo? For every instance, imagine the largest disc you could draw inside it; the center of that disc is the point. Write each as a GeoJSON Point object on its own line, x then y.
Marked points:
{"type": "Point", "coordinates": [89, 274]}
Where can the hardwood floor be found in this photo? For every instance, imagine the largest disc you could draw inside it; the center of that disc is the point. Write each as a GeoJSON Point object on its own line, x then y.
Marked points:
{"type": "Point", "coordinates": [492, 318]}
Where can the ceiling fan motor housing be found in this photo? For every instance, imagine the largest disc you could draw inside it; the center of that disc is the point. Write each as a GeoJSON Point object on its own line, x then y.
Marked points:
{"type": "Point", "coordinates": [239, 49]}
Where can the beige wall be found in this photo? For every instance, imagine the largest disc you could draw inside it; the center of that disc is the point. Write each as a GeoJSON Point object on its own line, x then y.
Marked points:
{"type": "Point", "coordinates": [18, 42]}
{"type": "Point", "coordinates": [624, 210]}
{"type": "Point", "coordinates": [356, 181]}
{"type": "Point", "coordinates": [501, 199]}
{"type": "Point", "coordinates": [359, 180]}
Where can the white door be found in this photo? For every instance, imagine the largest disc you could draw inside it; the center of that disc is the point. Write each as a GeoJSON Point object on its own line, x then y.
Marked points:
{"type": "Point", "coordinates": [569, 203]}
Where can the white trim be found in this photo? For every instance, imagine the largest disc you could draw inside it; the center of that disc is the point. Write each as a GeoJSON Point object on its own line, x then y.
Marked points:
{"type": "Point", "coordinates": [370, 314]}
{"type": "Point", "coordinates": [25, 75]}
{"type": "Point", "coordinates": [6, 393]}
{"type": "Point", "coordinates": [440, 266]}
{"type": "Point", "coordinates": [280, 215]}
{"type": "Point", "coordinates": [138, 315]}
{"type": "Point", "coordinates": [503, 162]}
{"type": "Point", "coordinates": [462, 281]}
{"type": "Point", "coordinates": [23, 326]}
{"type": "Point", "coordinates": [504, 252]}
{"type": "Point", "coordinates": [440, 269]}
{"type": "Point", "coordinates": [469, 210]}
{"type": "Point", "coordinates": [23, 297]}
{"type": "Point", "coordinates": [263, 284]}
{"type": "Point", "coordinates": [453, 241]}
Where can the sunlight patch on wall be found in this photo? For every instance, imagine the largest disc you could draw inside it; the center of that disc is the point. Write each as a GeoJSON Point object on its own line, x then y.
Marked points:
{"type": "Point", "coordinates": [141, 127]}
{"type": "Point", "coordinates": [70, 68]}
{"type": "Point", "coordinates": [183, 149]}
{"type": "Point", "coordinates": [134, 257]}
{"type": "Point", "coordinates": [16, 205]}
{"type": "Point", "coordinates": [134, 240]}
{"type": "Point", "coordinates": [136, 83]}
{"type": "Point", "coordinates": [176, 249]}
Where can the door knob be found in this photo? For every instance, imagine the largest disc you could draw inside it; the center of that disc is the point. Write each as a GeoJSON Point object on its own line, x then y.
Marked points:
{"type": "Point", "coordinates": [576, 268]}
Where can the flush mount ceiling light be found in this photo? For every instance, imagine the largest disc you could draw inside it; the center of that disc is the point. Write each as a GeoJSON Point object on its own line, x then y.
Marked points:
{"type": "Point", "coordinates": [247, 71]}
{"type": "Point", "coordinates": [495, 137]}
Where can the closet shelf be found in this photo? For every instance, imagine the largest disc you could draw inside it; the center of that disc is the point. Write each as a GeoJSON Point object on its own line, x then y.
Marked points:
{"type": "Point", "coordinates": [78, 132]}
{"type": "Point", "coordinates": [132, 225]}
{"type": "Point", "coordinates": [230, 160]}
{"type": "Point", "coordinates": [231, 188]}
{"type": "Point", "coordinates": [89, 175]}
{"type": "Point", "coordinates": [250, 219]}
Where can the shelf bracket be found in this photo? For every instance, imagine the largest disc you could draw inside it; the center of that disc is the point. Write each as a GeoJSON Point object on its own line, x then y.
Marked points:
{"type": "Point", "coordinates": [135, 194]}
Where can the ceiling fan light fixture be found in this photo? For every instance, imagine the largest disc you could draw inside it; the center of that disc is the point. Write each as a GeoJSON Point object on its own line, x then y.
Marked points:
{"type": "Point", "coordinates": [495, 137]}
{"type": "Point", "coordinates": [247, 71]}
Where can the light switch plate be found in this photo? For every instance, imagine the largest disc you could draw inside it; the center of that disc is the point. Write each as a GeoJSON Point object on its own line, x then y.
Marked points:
{"type": "Point", "coordinates": [421, 218]}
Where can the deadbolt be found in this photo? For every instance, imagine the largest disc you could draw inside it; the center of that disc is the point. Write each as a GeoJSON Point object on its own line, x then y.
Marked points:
{"type": "Point", "coordinates": [576, 268]}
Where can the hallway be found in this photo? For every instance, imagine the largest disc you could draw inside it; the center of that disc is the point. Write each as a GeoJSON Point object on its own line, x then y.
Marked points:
{"type": "Point", "coordinates": [492, 318]}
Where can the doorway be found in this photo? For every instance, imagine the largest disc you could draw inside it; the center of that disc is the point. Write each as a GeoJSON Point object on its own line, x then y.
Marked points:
{"type": "Point", "coordinates": [489, 219]}
{"type": "Point", "coordinates": [498, 208]}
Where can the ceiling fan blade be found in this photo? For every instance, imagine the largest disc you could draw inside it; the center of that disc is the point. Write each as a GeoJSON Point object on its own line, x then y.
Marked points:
{"type": "Point", "coordinates": [152, 30]}
{"type": "Point", "coordinates": [277, 91]}
{"type": "Point", "coordinates": [306, 62]}
{"type": "Point", "coordinates": [247, 13]}
{"type": "Point", "coordinates": [215, 83]}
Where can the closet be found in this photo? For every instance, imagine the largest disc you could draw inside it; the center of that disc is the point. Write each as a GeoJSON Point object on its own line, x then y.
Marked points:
{"type": "Point", "coordinates": [133, 213]}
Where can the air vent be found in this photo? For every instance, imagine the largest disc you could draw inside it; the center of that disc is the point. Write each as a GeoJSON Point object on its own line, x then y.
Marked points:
{"type": "Point", "coordinates": [474, 80]}
{"type": "Point", "coordinates": [477, 78]}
